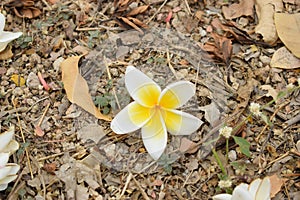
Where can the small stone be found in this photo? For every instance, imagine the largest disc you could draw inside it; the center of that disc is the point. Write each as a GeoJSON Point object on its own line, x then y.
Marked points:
{"type": "Point", "coordinates": [33, 81]}
{"type": "Point", "coordinates": [232, 155]}
{"type": "Point", "coordinates": [17, 91]}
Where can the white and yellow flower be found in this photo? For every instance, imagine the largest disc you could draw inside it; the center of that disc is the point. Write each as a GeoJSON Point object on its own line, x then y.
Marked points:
{"type": "Point", "coordinates": [154, 111]}
{"type": "Point", "coordinates": [257, 190]}
{"type": "Point", "coordinates": [5, 36]}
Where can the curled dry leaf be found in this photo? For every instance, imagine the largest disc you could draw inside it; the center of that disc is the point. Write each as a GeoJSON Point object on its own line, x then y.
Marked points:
{"type": "Point", "coordinates": [24, 8]}
{"type": "Point", "coordinates": [137, 10]}
{"type": "Point", "coordinates": [77, 89]}
{"type": "Point", "coordinates": [284, 59]}
{"type": "Point", "coordinates": [289, 32]}
{"type": "Point", "coordinates": [6, 54]}
{"type": "Point", "coordinates": [276, 184]}
{"type": "Point", "coordinates": [244, 8]}
{"type": "Point", "coordinates": [265, 10]}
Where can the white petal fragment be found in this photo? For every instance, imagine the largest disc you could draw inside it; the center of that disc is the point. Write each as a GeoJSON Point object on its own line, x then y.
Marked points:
{"type": "Point", "coordinates": [222, 197]}
{"type": "Point", "coordinates": [7, 37]}
{"type": "Point", "coordinates": [177, 94]}
{"type": "Point", "coordinates": [155, 137]}
{"type": "Point", "coordinates": [264, 190]}
{"type": "Point", "coordinates": [136, 82]}
{"type": "Point", "coordinates": [181, 123]}
{"type": "Point", "coordinates": [2, 23]}
{"type": "Point", "coordinates": [6, 137]}
{"type": "Point", "coordinates": [254, 185]}
{"type": "Point", "coordinates": [241, 192]}
{"type": "Point", "coordinates": [124, 121]}
{"type": "Point", "coordinates": [3, 159]}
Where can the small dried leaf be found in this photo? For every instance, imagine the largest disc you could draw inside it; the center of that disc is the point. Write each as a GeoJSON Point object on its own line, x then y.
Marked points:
{"type": "Point", "coordinates": [131, 24]}
{"type": "Point", "coordinates": [244, 8]}
{"type": "Point", "coordinates": [289, 32]}
{"type": "Point", "coordinates": [284, 59]}
{"type": "Point", "coordinates": [137, 10]}
{"type": "Point", "coordinates": [18, 80]}
{"type": "Point", "coordinates": [265, 10]}
{"type": "Point", "coordinates": [6, 54]}
{"type": "Point", "coordinates": [276, 184]}
{"type": "Point", "coordinates": [77, 89]}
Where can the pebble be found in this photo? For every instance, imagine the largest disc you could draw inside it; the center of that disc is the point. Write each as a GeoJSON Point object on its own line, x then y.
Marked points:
{"type": "Point", "coordinates": [17, 91]}
{"type": "Point", "coordinates": [33, 81]}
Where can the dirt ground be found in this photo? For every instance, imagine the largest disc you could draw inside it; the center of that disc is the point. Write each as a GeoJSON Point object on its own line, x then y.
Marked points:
{"type": "Point", "coordinates": [68, 153]}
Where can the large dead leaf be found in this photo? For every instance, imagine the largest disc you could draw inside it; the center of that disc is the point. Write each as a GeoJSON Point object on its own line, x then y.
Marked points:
{"type": "Point", "coordinates": [289, 32]}
{"type": "Point", "coordinates": [244, 8]}
{"type": "Point", "coordinates": [265, 10]}
{"type": "Point", "coordinates": [284, 59]}
{"type": "Point", "coordinates": [77, 89]}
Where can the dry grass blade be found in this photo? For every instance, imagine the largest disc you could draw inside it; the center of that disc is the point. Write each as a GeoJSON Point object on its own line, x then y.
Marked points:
{"type": "Point", "coordinates": [137, 10]}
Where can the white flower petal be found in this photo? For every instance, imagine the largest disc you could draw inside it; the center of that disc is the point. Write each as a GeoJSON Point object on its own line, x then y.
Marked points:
{"type": "Point", "coordinates": [131, 118]}
{"type": "Point", "coordinates": [241, 193]}
{"type": "Point", "coordinates": [3, 187]}
{"type": "Point", "coordinates": [12, 147]}
{"type": "Point", "coordinates": [222, 197]}
{"type": "Point", "coordinates": [3, 159]}
{"type": "Point", "coordinates": [176, 94]}
{"type": "Point", "coordinates": [14, 168]}
{"type": "Point", "coordinates": [8, 170]}
{"type": "Point", "coordinates": [264, 190]}
{"type": "Point", "coordinates": [254, 185]}
{"type": "Point", "coordinates": [7, 37]}
{"type": "Point", "coordinates": [2, 23]}
{"type": "Point", "coordinates": [8, 179]}
{"type": "Point", "coordinates": [141, 88]}
{"type": "Point", "coordinates": [180, 123]}
{"type": "Point", "coordinates": [6, 137]}
{"type": "Point", "coordinates": [154, 135]}
{"type": "Point", "coordinates": [4, 171]}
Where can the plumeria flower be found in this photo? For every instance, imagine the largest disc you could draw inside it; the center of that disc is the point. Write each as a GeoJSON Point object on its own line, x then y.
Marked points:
{"type": "Point", "coordinates": [5, 36]}
{"type": "Point", "coordinates": [7, 144]}
{"type": "Point", "coordinates": [7, 171]}
{"type": "Point", "coordinates": [257, 190]}
{"type": "Point", "coordinates": [154, 111]}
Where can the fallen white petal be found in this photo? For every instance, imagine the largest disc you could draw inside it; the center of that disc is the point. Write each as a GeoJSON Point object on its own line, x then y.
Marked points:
{"type": "Point", "coordinates": [241, 193]}
{"type": "Point", "coordinates": [2, 23]}
{"type": "Point", "coordinates": [254, 185]}
{"type": "Point", "coordinates": [123, 123]}
{"type": "Point", "coordinates": [176, 94]}
{"type": "Point", "coordinates": [264, 190]}
{"type": "Point", "coordinates": [181, 123]}
{"type": "Point", "coordinates": [3, 159]}
{"type": "Point", "coordinates": [140, 87]}
{"type": "Point", "coordinates": [7, 37]}
{"type": "Point", "coordinates": [154, 135]}
{"type": "Point", "coordinates": [6, 137]}
{"type": "Point", "coordinates": [222, 197]}
{"type": "Point", "coordinates": [3, 187]}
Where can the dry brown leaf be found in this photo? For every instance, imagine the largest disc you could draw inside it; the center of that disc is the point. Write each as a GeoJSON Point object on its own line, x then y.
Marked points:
{"type": "Point", "coordinates": [130, 23]}
{"type": "Point", "coordinates": [6, 54]}
{"type": "Point", "coordinates": [284, 59]}
{"type": "Point", "coordinates": [137, 10]}
{"type": "Point", "coordinates": [244, 8]}
{"type": "Point", "coordinates": [24, 8]}
{"type": "Point", "coordinates": [77, 89]}
{"type": "Point", "coordinates": [289, 32]}
{"type": "Point", "coordinates": [265, 10]}
{"type": "Point", "coordinates": [271, 91]}
{"type": "Point", "coordinates": [276, 184]}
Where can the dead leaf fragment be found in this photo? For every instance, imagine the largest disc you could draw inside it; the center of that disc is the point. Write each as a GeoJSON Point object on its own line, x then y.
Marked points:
{"type": "Point", "coordinates": [24, 8]}
{"type": "Point", "coordinates": [276, 184]}
{"type": "Point", "coordinates": [77, 89]}
{"type": "Point", "coordinates": [289, 32]}
{"type": "Point", "coordinates": [18, 80]}
{"type": "Point", "coordinates": [244, 8]}
{"type": "Point", "coordinates": [265, 10]}
{"type": "Point", "coordinates": [284, 59]}
{"type": "Point", "coordinates": [6, 53]}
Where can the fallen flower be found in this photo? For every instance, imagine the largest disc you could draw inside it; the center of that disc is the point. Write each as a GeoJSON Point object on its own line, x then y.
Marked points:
{"type": "Point", "coordinates": [7, 171]}
{"type": "Point", "coordinates": [257, 190]}
{"type": "Point", "coordinates": [255, 109]}
{"type": "Point", "coordinates": [5, 36]}
{"type": "Point", "coordinates": [154, 111]}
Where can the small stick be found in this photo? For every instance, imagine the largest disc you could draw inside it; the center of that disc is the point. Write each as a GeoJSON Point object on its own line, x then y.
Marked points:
{"type": "Point", "coordinates": [23, 138]}
{"type": "Point", "coordinates": [291, 121]}
{"type": "Point", "coordinates": [170, 65]}
{"type": "Point", "coordinates": [145, 196]}
{"type": "Point", "coordinates": [38, 126]}
{"type": "Point", "coordinates": [126, 184]}
{"type": "Point", "coordinates": [100, 27]}
{"type": "Point", "coordinates": [188, 7]}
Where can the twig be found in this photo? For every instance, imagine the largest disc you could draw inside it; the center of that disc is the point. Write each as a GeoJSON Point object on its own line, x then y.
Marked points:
{"type": "Point", "coordinates": [46, 3]}
{"type": "Point", "coordinates": [144, 194]}
{"type": "Point", "coordinates": [279, 158]}
{"type": "Point", "coordinates": [157, 11]}
{"type": "Point", "coordinates": [126, 184]}
{"type": "Point", "coordinates": [110, 79]}
{"type": "Point", "coordinates": [291, 121]}
{"type": "Point", "coordinates": [170, 65]}
{"type": "Point", "coordinates": [44, 114]}
{"type": "Point", "coordinates": [100, 27]}
{"type": "Point", "coordinates": [188, 7]}
{"type": "Point", "coordinates": [23, 138]}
